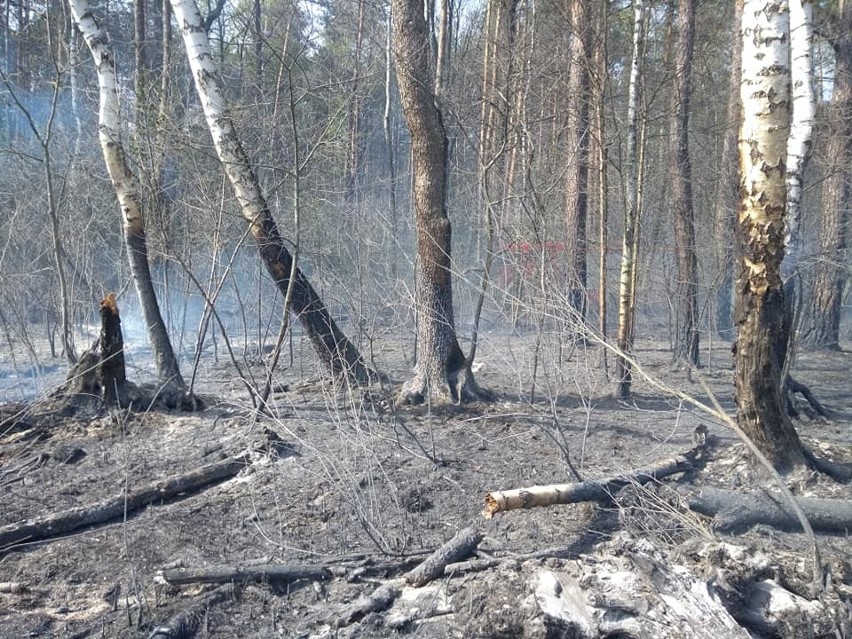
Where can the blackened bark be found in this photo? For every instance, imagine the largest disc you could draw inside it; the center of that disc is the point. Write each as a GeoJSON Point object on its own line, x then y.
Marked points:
{"type": "Point", "coordinates": [338, 354]}
{"type": "Point", "coordinates": [168, 373]}
{"type": "Point", "coordinates": [111, 371]}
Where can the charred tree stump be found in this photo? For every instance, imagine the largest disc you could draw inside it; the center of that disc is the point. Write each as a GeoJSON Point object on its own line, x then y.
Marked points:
{"type": "Point", "coordinates": [111, 372]}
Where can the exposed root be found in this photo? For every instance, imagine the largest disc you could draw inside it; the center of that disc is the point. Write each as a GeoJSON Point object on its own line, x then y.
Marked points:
{"type": "Point", "coordinates": [793, 386]}
{"type": "Point", "coordinates": [456, 387]}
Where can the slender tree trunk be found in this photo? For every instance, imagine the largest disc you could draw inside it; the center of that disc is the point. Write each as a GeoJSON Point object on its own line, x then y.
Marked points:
{"type": "Point", "coordinates": [765, 95]}
{"type": "Point", "coordinates": [727, 191]}
{"type": "Point", "coordinates": [442, 372]}
{"type": "Point", "coordinates": [599, 134]}
{"type": "Point", "coordinates": [352, 158]}
{"type": "Point", "coordinates": [627, 281]}
{"type": "Point", "coordinates": [832, 271]}
{"type": "Point", "coordinates": [686, 339]}
{"type": "Point", "coordinates": [445, 34]}
{"type": "Point", "coordinates": [127, 191]}
{"type": "Point", "coordinates": [577, 175]}
{"type": "Point", "coordinates": [389, 148]}
{"type": "Point", "coordinates": [337, 353]}
{"type": "Point", "coordinates": [798, 154]}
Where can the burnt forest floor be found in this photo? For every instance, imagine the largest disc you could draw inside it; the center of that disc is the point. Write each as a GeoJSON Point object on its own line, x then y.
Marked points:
{"type": "Point", "coordinates": [343, 480]}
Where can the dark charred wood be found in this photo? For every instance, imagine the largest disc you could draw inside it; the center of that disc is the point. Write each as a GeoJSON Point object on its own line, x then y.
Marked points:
{"type": "Point", "coordinates": [234, 574]}
{"type": "Point", "coordinates": [113, 508]}
{"type": "Point", "coordinates": [459, 547]}
{"type": "Point", "coordinates": [185, 623]}
{"type": "Point", "coordinates": [737, 512]}
{"type": "Point", "coordinates": [111, 372]}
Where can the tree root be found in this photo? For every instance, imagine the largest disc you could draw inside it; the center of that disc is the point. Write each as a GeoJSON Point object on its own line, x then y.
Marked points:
{"type": "Point", "coordinates": [456, 387]}
{"type": "Point", "coordinates": [795, 386]}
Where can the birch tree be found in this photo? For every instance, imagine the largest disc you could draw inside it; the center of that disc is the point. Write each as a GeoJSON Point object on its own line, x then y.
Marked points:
{"type": "Point", "coordinates": [759, 302]}
{"type": "Point", "coordinates": [627, 279]}
{"type": "Point", "coordinates": [337, 353]}
{"type": "Point", "coordinates": [442, 372]}
{"type": "Point", "coordinates": [127, 191]}
{"type": "Point", "coordinates": [801, 127]}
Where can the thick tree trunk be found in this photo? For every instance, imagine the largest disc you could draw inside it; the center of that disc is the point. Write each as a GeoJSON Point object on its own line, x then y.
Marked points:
{"type": "Point", "coordinates": [686, 338]}
{"type": "Point", "coordinates": [127, 191]}
{"type": "Point", "coordinates": [442, 373]}
{"type": "Point", "coordinates": [765, 94]}
{"type": "Point", "coordinates": [337, 353]}
{"type": "Point", "coordinates": [577, 143]}
{"type": "Point", "coordinates": [726, 192]}
{"type": "Point", "coordinates": [627, 280]}
{"type": "Point", "coordinates": [832, 272]}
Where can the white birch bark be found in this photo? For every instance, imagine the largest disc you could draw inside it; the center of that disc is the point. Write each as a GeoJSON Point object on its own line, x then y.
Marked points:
{"type": "Point", "coordinates": [128, 193]}
{"type": "Point", "coordinates": [801, 126]}
{"type": "Point", "coordinates": [334, 349]}
{"type": "Point", "coordinates": [626, 295]}
{"type": "Point", "coordinates": [109, 129]}
{"type": "Point", "coordinates": [210, 94]}
{"type": "Point", "coordinates": [759, 355]}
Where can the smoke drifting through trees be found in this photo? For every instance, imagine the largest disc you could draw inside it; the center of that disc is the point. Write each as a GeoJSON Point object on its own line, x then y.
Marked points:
{"type": "Point", "coordinates": [508, 152]}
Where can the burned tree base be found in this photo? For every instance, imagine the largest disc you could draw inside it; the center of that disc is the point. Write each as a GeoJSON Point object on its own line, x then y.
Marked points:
{"type": "Point", "coordinates": [99, 377]}
{"type": "Point", "coordinates": [456, 387]}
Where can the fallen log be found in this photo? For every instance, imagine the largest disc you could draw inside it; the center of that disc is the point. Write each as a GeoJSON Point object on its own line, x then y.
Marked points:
{"type": "Point", "coordinates": [595, 490]}
{"type": "Point", "coordinates": [737, 512]}
{"type": "Point", "coordinates": [459, 547]}
{"type": "Point", "coordinates": [228, 574]}
{"type": "Point", "coordinates": [116, 507]}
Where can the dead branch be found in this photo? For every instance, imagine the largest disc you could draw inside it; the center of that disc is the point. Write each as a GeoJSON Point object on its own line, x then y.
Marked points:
{"type": "Point", "coordinates": [229, 574]}
{"type": "Point", "coordinates": [378, 600]}
{"type": "Point", "coordinates": [116, 507]}
{"type": "Point", "coordinates": [598, 490]}
{"type": "Point", "coordinates": [456, 549]}
{"type": "Point", "coordinates": [184, 623]}
{"type": "Point", "coordinates": [735, 511]}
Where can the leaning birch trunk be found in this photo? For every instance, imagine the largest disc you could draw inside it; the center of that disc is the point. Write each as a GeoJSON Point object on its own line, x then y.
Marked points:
{"type": "Point", "coordinates": [336, 352]}
{"type": "Point", "coordinates": [127, 191]}
{"type": "Point", "coordinates": [626, 294]}
{"type": "Point", "coordinates": [765, 95]}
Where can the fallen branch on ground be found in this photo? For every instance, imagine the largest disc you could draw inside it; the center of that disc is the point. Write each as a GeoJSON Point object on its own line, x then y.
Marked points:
{"type": "Point", "coordinates": [116, 507]}
{"type": "Point", "coordinates": [736, 511]}
{"type": "Point", "coordinates": [599, 490]}
{"type": "Point", "coordinates": [380, 599]}
{"type": "Point", "coordinates": [228, 574]}
{"type": "Point", "coordinates": [186, 622]}
{"type": "Point", "coordinates": [456, 549]}
{"type": "Point", "coordinates": [459, 547]}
